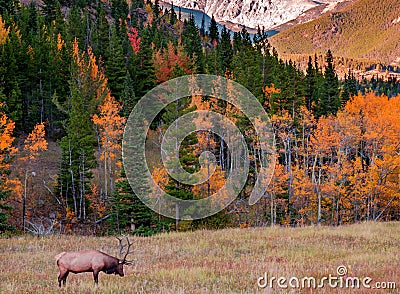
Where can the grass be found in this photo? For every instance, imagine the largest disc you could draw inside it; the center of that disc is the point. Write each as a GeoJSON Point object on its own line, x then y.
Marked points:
{"type": "Point", "coordinates": [225, 261]}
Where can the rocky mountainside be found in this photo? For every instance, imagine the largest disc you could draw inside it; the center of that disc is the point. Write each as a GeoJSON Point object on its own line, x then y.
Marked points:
{"type": "Point", "coordinates": [253, 13]}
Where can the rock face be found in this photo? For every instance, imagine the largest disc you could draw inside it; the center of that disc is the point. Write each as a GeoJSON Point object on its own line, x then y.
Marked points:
{"type": "Point", "coordinates": [253, 13]}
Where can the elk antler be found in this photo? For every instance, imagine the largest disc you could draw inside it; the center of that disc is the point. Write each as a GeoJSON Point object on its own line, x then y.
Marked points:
{"type": "Point", "coordinates": [121, 249]}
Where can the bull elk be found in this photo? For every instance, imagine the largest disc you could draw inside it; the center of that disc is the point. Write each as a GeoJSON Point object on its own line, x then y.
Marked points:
{"type": "Point", "coordinates": [92, 261]}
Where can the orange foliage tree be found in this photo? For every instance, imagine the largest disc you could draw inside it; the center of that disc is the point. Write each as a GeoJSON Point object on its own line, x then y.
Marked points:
{"type": "Point", "coordinates": [110, 128]}
{"type": "Point", "coordinates": [34, 144]}
{"type": "Point", "coordinates": [165, 62]}
{"type": "Point", "coordinates": [6, 152]}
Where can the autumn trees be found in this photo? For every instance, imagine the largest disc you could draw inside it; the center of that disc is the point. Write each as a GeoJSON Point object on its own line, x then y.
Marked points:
{"type": "Point", "coordinates": [332, 178]}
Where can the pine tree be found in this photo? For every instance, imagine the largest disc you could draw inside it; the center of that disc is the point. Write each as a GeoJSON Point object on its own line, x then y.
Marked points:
{"type": "Point", "coordinates": [172, 17]}
{"type": "Point", "coordinates": [129, 99]}
{"type": "Point", "coordinates": [128, 211]}
{"type": "Point", "coordinates": [7, 7]}
{"type": "Point", "coordinates": [330, 99]}
{"type": "Point", "coordinates": [141, 67]}
{"type": "Point", "coordinates": [237, 42]}
{"type": "Point", "coordinates": [310, 84]}
{"type": "Point", "coordinates": [156, 9]}
{"type": "Point", "coordinates": [4, 207]}
{"type": "Point", "coordinates": [192, 44]}
{"type": "Point", "coordinates": [119, 8]}
{"type": "Point", "coordinates": [203, 26]}
{"type": "Point", "coordinates": [213, 31]}
{"type": "Point", "coordinates": [260, 40]}
{"type": "Point", "coordinates": [349, 88]}
{"type": "Point", "coordinates": [11, 78]}
{"type": "Point", "coordinates": [225, 50]}
{"type": "Point", "coordinates": [319, 81]}
{"type": "Point", "coordinates": [101, 33]}
{"type": "Point", "coordinates": [51, 10]}
{"type": "Point", "coordinates": [115, 65]}
{"type": "Point", "coordinates": [75, 25]}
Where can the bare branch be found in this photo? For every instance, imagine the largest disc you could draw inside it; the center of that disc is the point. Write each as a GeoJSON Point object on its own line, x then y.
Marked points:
{"type": "Point", "coordinates": [51, 192]}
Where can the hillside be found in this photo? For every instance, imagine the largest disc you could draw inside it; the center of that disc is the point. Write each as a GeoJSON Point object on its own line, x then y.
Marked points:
{"type": "Point", "coordinates": [365, 29]}
{"type": "Point", "coordinates": [224, 261]}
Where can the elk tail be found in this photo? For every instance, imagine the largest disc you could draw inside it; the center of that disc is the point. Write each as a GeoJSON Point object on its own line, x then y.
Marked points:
{"type": "Point", "coordinates": [58, 256]}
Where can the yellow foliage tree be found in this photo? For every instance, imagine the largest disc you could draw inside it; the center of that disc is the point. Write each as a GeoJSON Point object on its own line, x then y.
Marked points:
{"type": "Point", "coordinates": [6, 152]}
{"type": "Point", "coordinates": [110, 128]}
{"type": "Point", "coordinates": [34, 144]}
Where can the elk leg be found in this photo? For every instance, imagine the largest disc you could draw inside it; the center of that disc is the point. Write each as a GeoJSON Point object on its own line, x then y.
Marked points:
{"type": "Point", "coordinates": [62, 277]}
{"type": "Point", "coordinates": [96, 276]}
{"type": "Point", "coordinates": [65, 278]}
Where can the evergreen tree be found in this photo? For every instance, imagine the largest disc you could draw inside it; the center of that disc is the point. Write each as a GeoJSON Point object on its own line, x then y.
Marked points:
{"type": "Point", "coordinates": [319, 81]}
{"type": "Point", "coordinates": [172, 18]}
{"type": "Point", "coordinates": [141, 66]}
{"type": "Point", "coordinates": [51, 10]}
{"type": "Point", "coordinates": [120, 8]}
{"type": "Point", "coordinates": [115, 64]}
{"type": "Point", "coordinates": [329, 102]}
{"type": "Point", "coordinates": [7, 7]}
{"type": "Point", "coordinates": [213, 31]}
{"type": "Point", "coordinates": [349, 87]}
{"type": "Point", "coordinates": [129, 99]}
{"type": "Point", "coordinates": [12, 66]}
{"type": "Point", "coordinates": [237, 42]}
{"type": "Point", "coordinates": [192, 44]}
{"type": "Point", "coordinates": [4, 208]}
{"type": "Point", "coordinates": [213, 61]}
{"type": "Point", "coordinates": [246, 65]}
{"type": "Point", "coordinates": [310, 84]}
{"type": "Point", "coordinates": [101, 34]}
{"type": "Point", "coordinates": [156, 9]}
{"type": "Point", "coordinates": [225, 50]}
{"type": "Point", "coordinates": [260, 40]}
{"type": "Point", "coordinates": [128, 211]}
{"type": "Point", "coordinates": [75, 25]}
{"type": "Point", "coordinates": [186, 157]}
{"type": "Point", "coordinates": [203, 26]}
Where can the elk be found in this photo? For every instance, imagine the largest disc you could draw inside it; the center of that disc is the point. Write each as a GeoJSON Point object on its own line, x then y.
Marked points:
{"type": "Point", "coordinates": [92, 261]}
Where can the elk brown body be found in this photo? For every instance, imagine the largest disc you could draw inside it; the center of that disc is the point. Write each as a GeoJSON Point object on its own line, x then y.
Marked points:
{"type": "Point", "coordinates": [88, 261]}
{"type": "Point", "coordinates": [91, 261]}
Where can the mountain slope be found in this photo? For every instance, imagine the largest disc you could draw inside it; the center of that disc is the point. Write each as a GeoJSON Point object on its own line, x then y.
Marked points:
{"type": "Point", "coordinates": [252, 13]}
{"type": "Point", "coordinates": [365, 29]}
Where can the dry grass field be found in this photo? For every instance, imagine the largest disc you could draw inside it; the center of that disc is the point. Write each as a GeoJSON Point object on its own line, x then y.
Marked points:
{"type": "Point", "coordinates": [225, 261]}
